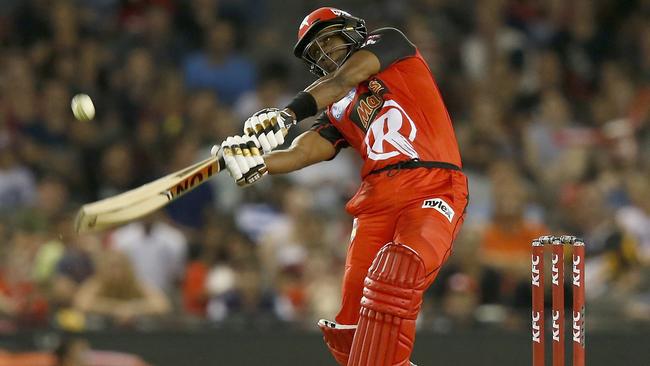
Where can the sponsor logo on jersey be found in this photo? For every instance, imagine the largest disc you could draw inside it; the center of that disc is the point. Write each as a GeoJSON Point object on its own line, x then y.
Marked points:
{"type": "Point", "coordinates": [367, 108]}
{"type": "Point", "coordinates": [441, 206]}
{"type": "Point", "coordinates": [368, 104]}
{"type": "Point", "coordinates": [377, 87]}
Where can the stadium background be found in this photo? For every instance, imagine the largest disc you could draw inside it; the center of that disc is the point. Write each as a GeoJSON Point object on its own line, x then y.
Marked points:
{"type": "Point", "coordinates": [549, 101]}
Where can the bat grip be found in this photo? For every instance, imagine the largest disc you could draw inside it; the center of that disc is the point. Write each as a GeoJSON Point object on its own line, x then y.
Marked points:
{"type": "Point", "coordinates": [221, 163]}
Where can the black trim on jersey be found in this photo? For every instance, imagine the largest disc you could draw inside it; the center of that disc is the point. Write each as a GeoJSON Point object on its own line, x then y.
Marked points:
{"type": "Point", "coordinates": [389, 45]}
{"type": "Point", "coordinates": [324, 127]}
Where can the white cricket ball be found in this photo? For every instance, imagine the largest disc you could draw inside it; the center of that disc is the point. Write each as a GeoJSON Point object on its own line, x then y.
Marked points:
{"type": "Point", "coordinates": [82, 107]}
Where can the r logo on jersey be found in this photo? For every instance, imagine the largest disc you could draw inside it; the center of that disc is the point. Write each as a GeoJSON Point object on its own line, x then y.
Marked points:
{"type": "Point", "coordinates": [441, 206]}
{"type": "Point", "coordinates": [387, 135]}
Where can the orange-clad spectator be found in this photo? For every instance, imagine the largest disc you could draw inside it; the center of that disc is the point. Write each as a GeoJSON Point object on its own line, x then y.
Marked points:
{"type": "Point", "coordinates": [27, 359]}
{"type": "Point", "coordinates": [194, 295]}
{"type": "Point", "coordinates": [505, 245]}
{"type": "Point", "coordinates": [21, 300]}
{"type": "Point", "coordinates": [24, 302]}
{"type": "Point", "coordinates": [506, 238]}
{"type": "Point", "coordinates": [203, 257]}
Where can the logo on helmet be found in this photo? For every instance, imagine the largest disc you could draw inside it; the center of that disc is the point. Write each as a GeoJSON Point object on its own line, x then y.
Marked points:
{"type": "Point", "coordinates": [305, 22]}
{"type": "Point", "coordinates": [339, 12]}
{"type": "Point", "coordinates": [371, 40]}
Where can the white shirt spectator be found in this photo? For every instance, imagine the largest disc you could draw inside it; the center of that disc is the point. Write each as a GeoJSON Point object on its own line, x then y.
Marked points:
{"type": "Point", "coordinates": [17, 188]}
{"type": "Point", "coordinates": [158, 254]}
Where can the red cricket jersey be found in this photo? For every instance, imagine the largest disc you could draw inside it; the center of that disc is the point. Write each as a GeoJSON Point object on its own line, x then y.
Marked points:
{"type": "Point", "coordinates": [397, 114]}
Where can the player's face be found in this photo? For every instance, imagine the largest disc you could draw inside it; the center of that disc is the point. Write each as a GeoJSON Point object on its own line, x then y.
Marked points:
{"type": "Point", "coordinates": [329, 49]}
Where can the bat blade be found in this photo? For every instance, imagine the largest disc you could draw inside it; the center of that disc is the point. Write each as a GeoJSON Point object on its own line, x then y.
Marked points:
{"type": "Point", "coordinates": [139, 202]}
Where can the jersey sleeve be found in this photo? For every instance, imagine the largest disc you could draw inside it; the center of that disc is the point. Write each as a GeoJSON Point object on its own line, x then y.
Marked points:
{"type": "Point", "coordinates": [326, 129]}
{"type": "Point", "coordinates": [389, 45]}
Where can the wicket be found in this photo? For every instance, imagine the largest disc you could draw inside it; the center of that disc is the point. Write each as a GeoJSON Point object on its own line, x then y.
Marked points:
{"type": "Point", "coordinates": [557, 297]}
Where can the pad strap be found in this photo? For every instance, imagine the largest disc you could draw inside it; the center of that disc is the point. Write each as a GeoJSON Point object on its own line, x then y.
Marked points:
{"type": "Point", "coordinates": [338, 338]}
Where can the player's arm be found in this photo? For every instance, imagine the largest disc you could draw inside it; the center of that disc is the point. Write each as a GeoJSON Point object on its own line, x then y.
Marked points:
{"type": "Point", "coordinates": [332, 87]}
{"type": "Point", "coordinates": [246, 164]}
{"type": "Point", "coordinates": [381, 49]}
{"type": "Point", "coordinates": [307, 149]}
{"type": "Point", "coordinates": [322, 142]}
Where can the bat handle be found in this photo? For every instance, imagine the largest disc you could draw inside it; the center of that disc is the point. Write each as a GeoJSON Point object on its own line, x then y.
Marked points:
{"type": "Point", "coordinates": [221, 163]}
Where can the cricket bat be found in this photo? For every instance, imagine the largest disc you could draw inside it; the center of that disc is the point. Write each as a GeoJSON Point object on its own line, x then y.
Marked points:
{"type": "Point", "coordinates": [138, 202]}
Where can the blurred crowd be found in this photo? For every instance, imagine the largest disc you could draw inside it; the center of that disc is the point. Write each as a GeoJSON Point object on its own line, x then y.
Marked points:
{"type": "Point", "coordinates": [550, 102]}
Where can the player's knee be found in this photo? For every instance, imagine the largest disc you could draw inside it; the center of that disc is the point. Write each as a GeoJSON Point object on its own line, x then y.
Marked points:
{"type": "Point", "coordinates": [395, 282]}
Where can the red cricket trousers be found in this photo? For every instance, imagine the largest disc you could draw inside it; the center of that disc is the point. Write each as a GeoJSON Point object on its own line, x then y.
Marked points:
{"type": "Point", "coordinates": [421, 208]}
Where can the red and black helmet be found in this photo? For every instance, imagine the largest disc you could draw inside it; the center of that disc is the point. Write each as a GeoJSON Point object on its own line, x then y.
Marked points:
{"type": "Point", "coordinates": [352, 29]}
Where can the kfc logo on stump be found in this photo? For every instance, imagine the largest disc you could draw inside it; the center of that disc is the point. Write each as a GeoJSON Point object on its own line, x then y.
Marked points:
{"type": "Point", "coordinates": [537, 330]}
{"type": "Point", "coordinates": [535, 270]}
{"type": "Point", "coordinates": [576, 271]}
{"type": "Point", "coordinates": [578, 330]}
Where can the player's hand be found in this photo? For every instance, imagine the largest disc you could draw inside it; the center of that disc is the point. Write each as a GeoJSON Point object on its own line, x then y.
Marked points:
{"type": "Point", "coordinates": [268, 127]}
{"type": "Point", "coordinates": [243, 159]}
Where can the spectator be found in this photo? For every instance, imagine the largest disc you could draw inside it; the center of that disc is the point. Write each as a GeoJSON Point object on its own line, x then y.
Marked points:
{"type": "Point", "coordinates": [205, 254]}
{"type": "Point", "coordinates": [17, 185]}
{"type": "Point", "coordinates": [271, 90]}
{"type": "Point", "coordinates": [505, 249]}
{"type": "Point", "coordinates": [635, 217]}
{"type": "Point", "coordinates": [116, 293]}
{"type": "Point", "coordinates": [21, 299]}
{"type": "Point", "coordinates": [220, 68]}
{"type": "Point", "coordinates": [72, 269]}
{"type": "Point", "coordinates": [189, 212]}
{"type": "Point", "coordinates": [156, 250]}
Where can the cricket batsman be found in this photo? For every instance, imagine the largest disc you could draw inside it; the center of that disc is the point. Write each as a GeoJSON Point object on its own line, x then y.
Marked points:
{"type": "Point", "coordinates": [377, 95]}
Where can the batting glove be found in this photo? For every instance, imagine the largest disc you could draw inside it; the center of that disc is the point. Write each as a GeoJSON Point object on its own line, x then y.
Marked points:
{"type": "Point", "coordinates": [243, 159]}
{"type": "Point", "coordinates": [268, 127]}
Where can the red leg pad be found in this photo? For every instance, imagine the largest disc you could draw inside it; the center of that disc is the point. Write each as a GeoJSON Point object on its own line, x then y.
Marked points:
{"type": "Point", "coordinates": [392, 296]}
{"type": "Point", "coordinates": [338, 339]}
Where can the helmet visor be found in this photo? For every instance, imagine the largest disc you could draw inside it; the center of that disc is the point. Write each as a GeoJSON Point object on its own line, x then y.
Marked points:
{"type": "Point", "coordinates": [328, 50]}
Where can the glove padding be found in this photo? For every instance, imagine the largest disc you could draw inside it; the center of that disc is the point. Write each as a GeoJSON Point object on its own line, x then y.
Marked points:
{"type": "Point", "coordinates": [267, 128]}
{"type": "Point", "coordinates": [243, 159]}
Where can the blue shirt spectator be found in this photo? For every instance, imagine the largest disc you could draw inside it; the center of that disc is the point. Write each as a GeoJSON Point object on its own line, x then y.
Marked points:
{"type": "Point", "coordinates": [220, 67]}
